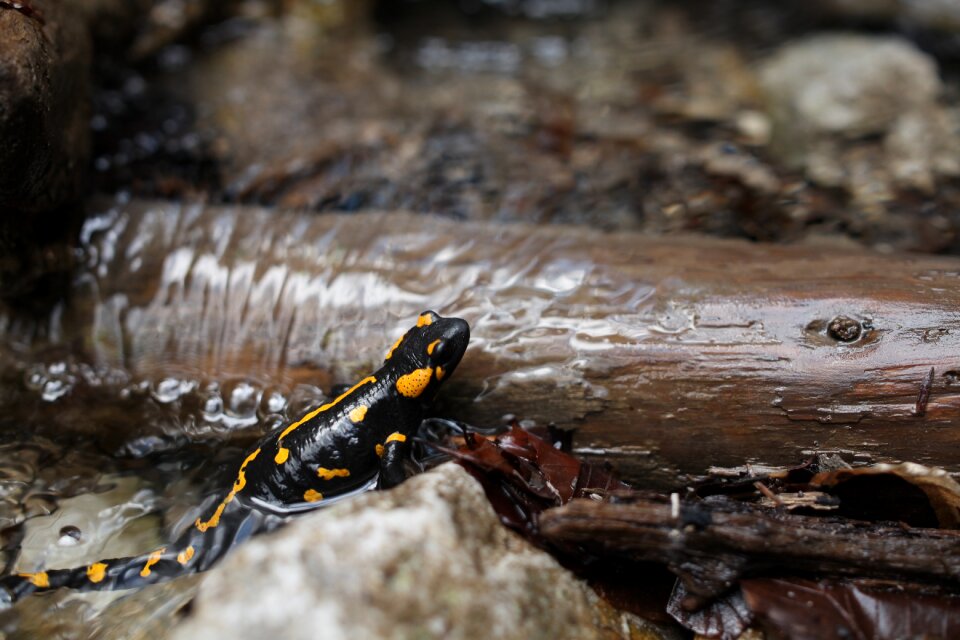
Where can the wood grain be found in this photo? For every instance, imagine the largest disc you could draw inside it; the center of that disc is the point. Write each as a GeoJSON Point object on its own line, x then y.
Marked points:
{"type": "Point", "coordinates": [668, 355]}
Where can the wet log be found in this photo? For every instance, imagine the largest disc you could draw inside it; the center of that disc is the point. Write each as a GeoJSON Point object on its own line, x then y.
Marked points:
{"type": "Point", "coordinates": [712, 545]}
{"type": "Point", "coordinates": [668, 355]}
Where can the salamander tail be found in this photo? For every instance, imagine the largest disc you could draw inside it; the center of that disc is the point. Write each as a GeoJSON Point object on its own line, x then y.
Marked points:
{"type": "Point", "coordinates": [116, 573]}
{"type": "Point", "coordinates": [197, 549]}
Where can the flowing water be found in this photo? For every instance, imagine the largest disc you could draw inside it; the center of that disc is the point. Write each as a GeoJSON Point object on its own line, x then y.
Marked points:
{"type": "Point", "coordinates": [184, 333]}
{"type": "Point", "coordinates": [123, 410]}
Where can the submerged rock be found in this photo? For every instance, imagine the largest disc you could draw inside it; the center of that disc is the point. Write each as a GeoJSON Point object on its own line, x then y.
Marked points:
{"type": "Point", "coordinates": [860, 113]}
{"type": "Point", "coordinates": [427, 560]}
{"type": "Point", "coordinates": [847, 85]}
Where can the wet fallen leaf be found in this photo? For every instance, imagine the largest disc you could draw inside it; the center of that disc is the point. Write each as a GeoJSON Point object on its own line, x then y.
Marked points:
{"type": "Point", "coordinates": [725, 617]}
{"type": "Point", "coordinates": [851, 609]}
{"type": "Point", "coordinates": [523, 474]}
{"type": "Point", "coordinates": [527, 478]}
{"type": "Point", "coordinates": [911, 493]}
{"type": "Point", "coordinates": [526, 472]}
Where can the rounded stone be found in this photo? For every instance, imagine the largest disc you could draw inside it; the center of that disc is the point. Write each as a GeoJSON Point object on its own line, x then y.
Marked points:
{"type": "Point", "coordinates": [846, 84]}
{"type": "Point", "coordinates": [428, 559]}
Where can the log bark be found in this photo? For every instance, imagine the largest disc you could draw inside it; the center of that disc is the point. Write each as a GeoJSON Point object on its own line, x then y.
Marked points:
{"type": "Point", "coordinates": [668, 355]}
{"type": "Point", "coordinates": [711, 546]}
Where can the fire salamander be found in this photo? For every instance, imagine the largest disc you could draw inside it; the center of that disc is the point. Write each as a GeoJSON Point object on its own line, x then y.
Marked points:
{"type": "Point", "coordinates": [360, 438]}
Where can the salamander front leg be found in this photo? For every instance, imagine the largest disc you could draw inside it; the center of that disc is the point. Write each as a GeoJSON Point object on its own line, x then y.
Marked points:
{"type": "Point", "coordinates": [393, 452]}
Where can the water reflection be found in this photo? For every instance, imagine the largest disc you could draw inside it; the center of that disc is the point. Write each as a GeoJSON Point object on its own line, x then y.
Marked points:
{"type": "Point", "coordinates": [193, 326]}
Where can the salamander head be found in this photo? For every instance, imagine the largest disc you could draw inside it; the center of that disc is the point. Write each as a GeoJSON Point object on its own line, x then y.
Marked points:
{"type": "Point", "coordinates": [428, 354]}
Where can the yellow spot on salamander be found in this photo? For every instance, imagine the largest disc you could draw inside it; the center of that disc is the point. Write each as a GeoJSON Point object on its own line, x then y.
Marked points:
{"type": "Point", "coordinates": [412, 384]}
{"type": "Point", "coordinates": [152, 559]}
{"type": "Point", "coordinates": [312, 496]}
{"type": "Point", "coordinates": [184, 556]}
{"type": "Point", "coordinates": [238, 486]}
{"type": "Point", "coordinates": [96, 572]}
{"type": "Point", "coordinates": [39, 579]}
{"type": "Point", "coordinates": [282, 454]}
{"type": "Point", "coordinates": [358, 414]}
{"type": "Point", "coordinates": [425, 320]}
{"type": "Point", "coordinates": [396, 436]}
{"type": "Point", "coordinates": [379, 450]}
{"type": "Point", "coordinates": [440, 373]}
{"type": "Point", "coordinates": [325, 407]}
{"type": "Point", "coordinates": [330, 474]}
{"type": "Point", "coordinates": [432, 346]}
{"type": "Point", "coordinates": [394, 348]}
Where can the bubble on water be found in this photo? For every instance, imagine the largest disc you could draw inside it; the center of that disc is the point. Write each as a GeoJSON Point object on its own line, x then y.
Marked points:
{"type": "Point", "coordinates": [52, 381]}
{"type": "Point", "coordinates": [35, 377]}
{"type": "Point", "coordinates": [171, 389]}
{"type": "Point", "coordinates": [136, 389]}
{"type": "Point", "coordinates": [240, 399]}
{"type": "Point", "coordinates": [147, 445]}
{"type": "Point", "coordinates": [69, 536]}
{"type": "Point", "coordinates": [273, 401]}
{"type": "Point", "coordinates": [54, 389]}
{"type": "Point", "coordinates": [60, 381]}
{"type": "Point", "coordinates": [212, 405]}
{"type": "Point", "coordinates": [304, 398]}
{"type": "Point", "coordinates": [271, 423]}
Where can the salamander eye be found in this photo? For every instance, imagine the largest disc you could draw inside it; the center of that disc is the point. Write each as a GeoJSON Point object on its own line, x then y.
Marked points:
{"type": "Point", "coordinates": [439, 351]}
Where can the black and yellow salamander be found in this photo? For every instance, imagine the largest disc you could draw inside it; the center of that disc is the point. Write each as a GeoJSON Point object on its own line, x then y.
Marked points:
{"type": "Point", "coordinates": [360, 438]}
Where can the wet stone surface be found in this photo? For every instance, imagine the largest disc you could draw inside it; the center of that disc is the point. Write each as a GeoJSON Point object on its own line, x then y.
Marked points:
{"type": "Point", "coordinates": [428, 559]}
{"type": "Point", "coordinates": [64, 507]}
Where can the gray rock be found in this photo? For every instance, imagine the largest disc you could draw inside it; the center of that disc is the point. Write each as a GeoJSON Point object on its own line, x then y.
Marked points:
{"type": "Point", "coordinates": [922, 146]}
{"type": "Point", "coordinates": [860, 113]}
{"type": "Point", "coordinates": [426, 560]}
{"type": "Point", "coordinates": [846, 85]}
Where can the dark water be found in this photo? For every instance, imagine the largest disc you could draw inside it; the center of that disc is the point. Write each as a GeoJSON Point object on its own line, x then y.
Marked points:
{"type": "Point", "coordinates": [114, 431]}
{"type": "Point", "coordinates": [184, 334]}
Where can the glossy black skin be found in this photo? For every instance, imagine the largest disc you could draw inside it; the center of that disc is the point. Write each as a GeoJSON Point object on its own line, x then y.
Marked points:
{"type": "Point", "coordinates": [333, 441]}
{"type": "Point", "coordinates": [329, 439]}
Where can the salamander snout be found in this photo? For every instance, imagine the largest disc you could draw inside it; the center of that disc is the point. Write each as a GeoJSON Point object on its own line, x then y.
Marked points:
{"type": "Point", "coordinates": [453, 340]}
{"type": "Point", "coordinates": [436, 344]}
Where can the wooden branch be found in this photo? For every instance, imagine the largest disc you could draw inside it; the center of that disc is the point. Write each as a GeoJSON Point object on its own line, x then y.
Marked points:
{"type": "Point", "coordinates": [669, 355]}
{"type": "Point", "coordinates": [711, 545]}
